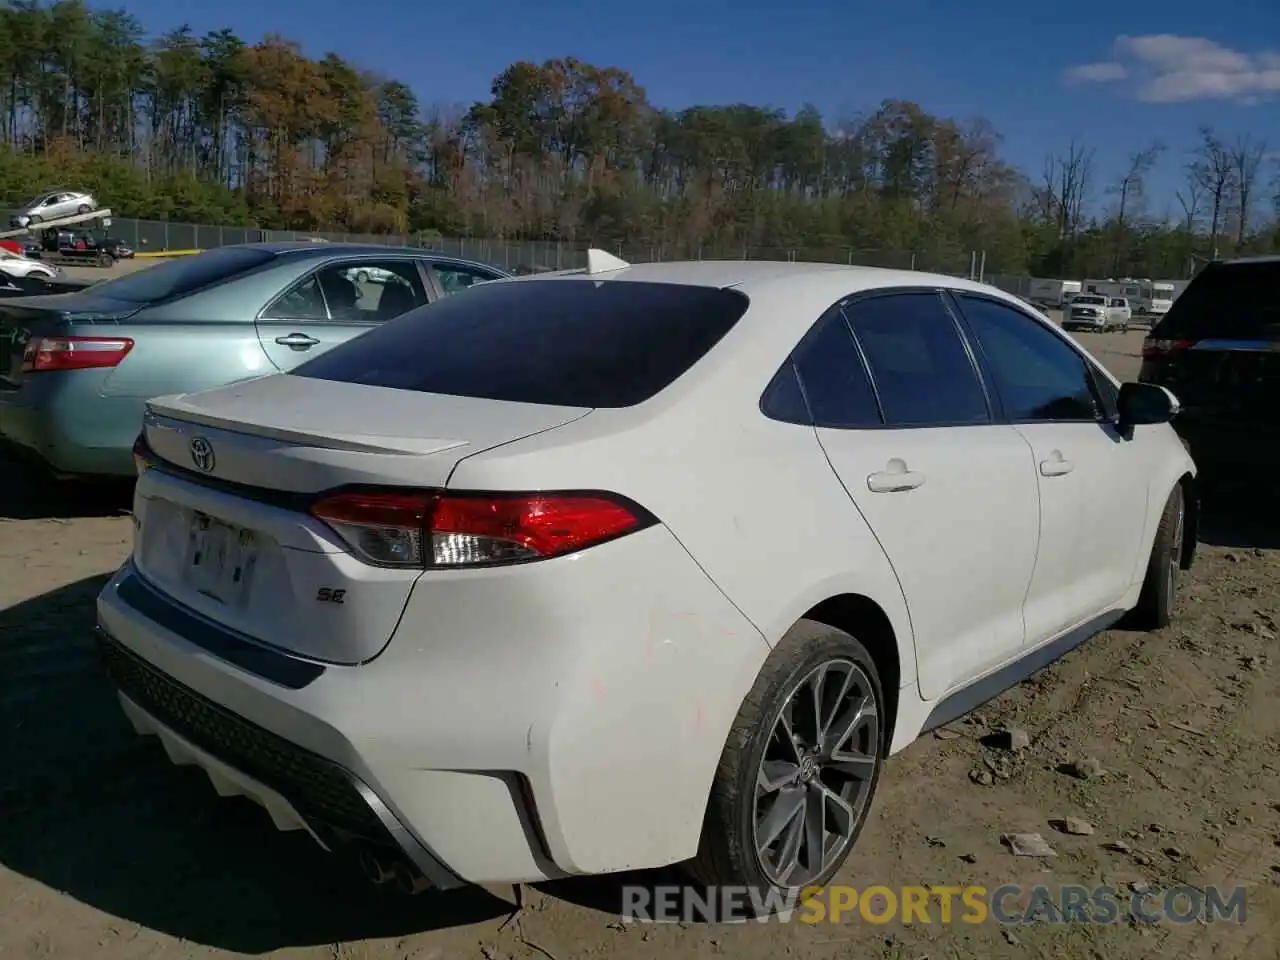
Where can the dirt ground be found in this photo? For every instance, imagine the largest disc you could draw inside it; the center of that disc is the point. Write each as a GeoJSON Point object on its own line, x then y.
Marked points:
{"type": "Point", "coordinates": [107, 851]}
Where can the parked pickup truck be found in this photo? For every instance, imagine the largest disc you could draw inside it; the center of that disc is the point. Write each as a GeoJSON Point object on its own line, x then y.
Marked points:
{"type": "Point", "coordinates": [1094, 312]}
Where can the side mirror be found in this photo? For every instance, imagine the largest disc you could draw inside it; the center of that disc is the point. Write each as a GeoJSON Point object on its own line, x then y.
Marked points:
{"type": "Point", "coordinates": [1145, 403]}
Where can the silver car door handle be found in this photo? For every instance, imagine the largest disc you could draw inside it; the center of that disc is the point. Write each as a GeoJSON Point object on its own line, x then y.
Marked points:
{"type": "Point", "coordinates": [895, 479]}
{"type": "Point", "coordinates": [299, 341]}
{"type": "Point", "coordinates": [1056, 467]}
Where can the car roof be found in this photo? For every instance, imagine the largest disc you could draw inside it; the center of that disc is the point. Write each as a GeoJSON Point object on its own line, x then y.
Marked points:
{"type": "Point", "coordinates": [312, 249]}
{"type": "Point", "coordinates": [787, 298]}
{"type": "Point", "coordinates": [829, 281]}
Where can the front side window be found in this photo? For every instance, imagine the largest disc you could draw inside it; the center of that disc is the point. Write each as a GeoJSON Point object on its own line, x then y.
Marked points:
{"type": "Point", "coordinates": [1037, 374]}
{"type": "Point", "coordinates": [920, 366]}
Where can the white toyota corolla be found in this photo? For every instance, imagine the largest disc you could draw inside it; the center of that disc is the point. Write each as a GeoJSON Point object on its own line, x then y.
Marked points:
{"type": "Point", "coordinates": [634, 565]}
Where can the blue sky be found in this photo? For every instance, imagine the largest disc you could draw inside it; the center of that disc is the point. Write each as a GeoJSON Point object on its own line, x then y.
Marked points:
{"type": "Point", "coordinates": [1154, 68]}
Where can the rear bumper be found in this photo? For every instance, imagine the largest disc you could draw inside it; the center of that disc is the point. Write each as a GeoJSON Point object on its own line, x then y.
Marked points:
{"type": "Point", "coordinates": [61, 421]}
{"type": "Point", "coordinates": [299, 790]}
{"type": "Point", "coordinates": [558, 718]}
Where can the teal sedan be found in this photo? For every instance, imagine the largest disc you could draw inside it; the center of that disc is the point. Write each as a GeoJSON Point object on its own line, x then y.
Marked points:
{"type": "Point", "coordinates": [77, 368]}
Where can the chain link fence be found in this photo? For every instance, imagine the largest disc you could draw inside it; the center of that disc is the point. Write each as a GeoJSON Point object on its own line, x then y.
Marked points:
{"type": "Point", "coordinates": [160, 236]}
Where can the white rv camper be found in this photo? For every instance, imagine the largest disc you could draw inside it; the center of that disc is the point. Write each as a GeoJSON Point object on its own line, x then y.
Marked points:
{"type": "Point", "coordinates": [1052, 293]}
{"type": "Point", "coordinates": [1157, 298]}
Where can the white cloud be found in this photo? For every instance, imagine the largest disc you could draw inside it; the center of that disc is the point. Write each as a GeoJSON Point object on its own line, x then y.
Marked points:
{"type": "Point", "coordinates": [1171, 69]}
{"type": "Point", "coordinates": [1106, 71]}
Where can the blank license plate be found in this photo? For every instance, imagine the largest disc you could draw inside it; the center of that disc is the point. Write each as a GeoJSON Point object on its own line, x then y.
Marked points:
{"type": "Point", "coordinates": [220, 559]}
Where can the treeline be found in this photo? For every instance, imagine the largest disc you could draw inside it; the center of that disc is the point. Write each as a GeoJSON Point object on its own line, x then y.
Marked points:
{"type": "Point", "coordinates": [215, 129]}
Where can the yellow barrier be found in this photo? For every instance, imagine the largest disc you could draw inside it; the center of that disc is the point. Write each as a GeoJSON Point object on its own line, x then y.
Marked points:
{"type": "Point", "coordinates": [167, 253]}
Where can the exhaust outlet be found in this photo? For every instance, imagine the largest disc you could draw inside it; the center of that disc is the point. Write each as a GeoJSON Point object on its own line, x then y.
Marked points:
{"type": "Point", "coordinates": [375, 868]}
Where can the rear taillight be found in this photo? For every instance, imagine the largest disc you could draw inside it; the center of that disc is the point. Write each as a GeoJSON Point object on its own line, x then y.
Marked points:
{"type": "Point", "coordinates": [46, 354]}
{"type": "Point", "coordinates": [443, 529]}
{"type": "Point", "coordinates": [1153, 349]}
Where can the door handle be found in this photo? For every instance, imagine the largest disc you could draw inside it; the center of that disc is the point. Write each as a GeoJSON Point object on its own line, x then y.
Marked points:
{"type": "Point", "coordinates": [1056, 466]}
{"type": "Point", "coordinates": [895, 478]}
{"type": "Point", "coordinates": [298, 341]}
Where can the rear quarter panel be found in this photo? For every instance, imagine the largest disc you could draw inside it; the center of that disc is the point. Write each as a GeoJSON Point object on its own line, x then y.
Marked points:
{"type": "Point", "coordinates": [173, 356]}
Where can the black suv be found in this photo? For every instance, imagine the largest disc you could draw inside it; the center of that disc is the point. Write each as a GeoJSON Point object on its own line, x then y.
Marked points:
{"type": "Point", "coordinates": [1218, 350]}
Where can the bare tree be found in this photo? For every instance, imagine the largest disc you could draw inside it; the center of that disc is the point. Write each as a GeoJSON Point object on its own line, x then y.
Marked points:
{"type": "Point", "coordinates": [1066, 185]}
{"type": "Point", "coordinates": [1130, 191]}
{"type": "Point", "coordinates": [1191, 198]}
{"type": "Point", "coordinates": [1246, 161]}
{"type": "Point", "coordinates": [1215, 171]}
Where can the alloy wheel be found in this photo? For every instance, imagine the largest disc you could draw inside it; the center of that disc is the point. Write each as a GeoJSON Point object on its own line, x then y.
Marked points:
{"type": "Point", "coordinates": [816, 776]}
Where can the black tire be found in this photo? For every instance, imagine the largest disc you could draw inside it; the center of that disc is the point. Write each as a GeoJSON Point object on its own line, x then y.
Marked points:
{"type": "Point", "coordinates": [727, 854]}
{"type": "Point", "coordinates": [34, 219]}
{"type": "Point", "coordinates": [83, 208]}
{"type": "Point", "coordinates": [1160, 588]}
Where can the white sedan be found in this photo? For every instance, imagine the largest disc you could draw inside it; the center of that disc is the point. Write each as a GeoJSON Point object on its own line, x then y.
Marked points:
{"type": "Point", "coordinates": [635, 565]}
{"type": "Point", "coordinates": [13, 265]}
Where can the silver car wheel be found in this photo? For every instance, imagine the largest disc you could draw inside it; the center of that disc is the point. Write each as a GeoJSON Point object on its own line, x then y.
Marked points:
{"type": "Point", "coordinates": [816, 775]}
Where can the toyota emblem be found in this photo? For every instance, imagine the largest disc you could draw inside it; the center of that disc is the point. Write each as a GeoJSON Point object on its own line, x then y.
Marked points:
{"type": "Point", "coordinates": [202, 454]}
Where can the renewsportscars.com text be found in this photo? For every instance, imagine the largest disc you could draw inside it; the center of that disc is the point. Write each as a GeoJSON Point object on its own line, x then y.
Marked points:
{"type": "Point", "coordinates": [941, 904]}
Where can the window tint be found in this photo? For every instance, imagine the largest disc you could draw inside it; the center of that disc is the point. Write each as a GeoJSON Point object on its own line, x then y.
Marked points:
{"type": "Point", "coordinates": [1037, 374]}
{"type": "Point", "coordinates": [1238, 301]}
{"type": "Point", "coordinates": [834, 379]}
{"type": "Point", "coordinates": [922, 371]}
{"type": "Point", "coordinates": [783, 399]}
{"type": "Point", "coordinates": [455, 278]}
{"type": "Point", "coordinates": [569, 342]}
{"type": "Point", "coordinates": [183, 275]}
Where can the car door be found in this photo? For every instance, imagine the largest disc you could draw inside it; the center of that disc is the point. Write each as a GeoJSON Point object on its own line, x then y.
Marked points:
{"type": "Point", "coordinates": [335, 302]}
{"type": "Point", "coordinates": [949, 493]}
{"type": "Point", "coordinates": [1094, 485]}
{"type": "Point", "coordinates": [47, 209]}
{"type": "Point", "coordinates": [450, 276]}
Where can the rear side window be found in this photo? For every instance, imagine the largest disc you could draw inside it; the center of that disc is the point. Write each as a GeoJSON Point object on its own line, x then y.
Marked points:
{"type": "Point", "coordinates": [834, 378]}
{"type": "Point", "coordinates": [564, 342]}
{"type": "Point", "coordinates": [921, 367]}
{"type": "Point", "coordinates": [183, 275]}
{"type": "Point", "coordinates": [1230, 301]}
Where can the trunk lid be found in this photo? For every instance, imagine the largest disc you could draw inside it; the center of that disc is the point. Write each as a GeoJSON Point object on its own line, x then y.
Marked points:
{"type": "Point", "coordinates": [22, 318]}
{"type": "Point", "coordinates": [228, 534]}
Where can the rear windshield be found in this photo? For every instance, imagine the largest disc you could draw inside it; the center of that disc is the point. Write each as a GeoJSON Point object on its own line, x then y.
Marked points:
{"type": "Point", "coordinates": [183, 275]}
{"type": "Point", "coordinates": [1233, 301]}
{"type": "Point", "coordinates": [1086, 300]}
{"type": "Point", "coordinates": [565, 342]}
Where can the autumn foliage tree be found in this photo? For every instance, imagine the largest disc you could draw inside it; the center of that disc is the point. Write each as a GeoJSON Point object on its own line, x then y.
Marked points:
{"type": "Point", "coordinates": [216, 129]}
